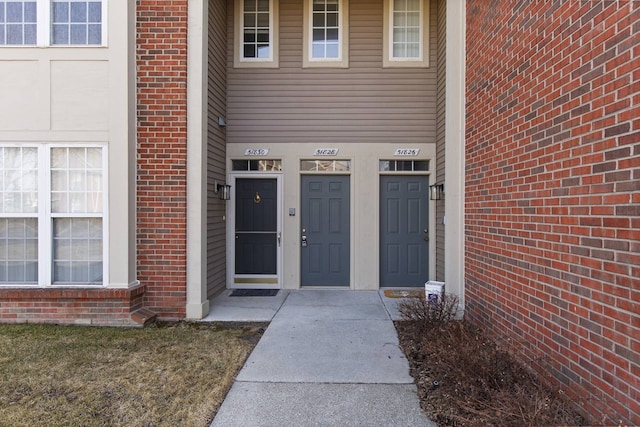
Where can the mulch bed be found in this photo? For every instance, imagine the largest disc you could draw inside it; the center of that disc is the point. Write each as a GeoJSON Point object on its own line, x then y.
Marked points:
{"type": "Point", "coordinates": [464, 379]}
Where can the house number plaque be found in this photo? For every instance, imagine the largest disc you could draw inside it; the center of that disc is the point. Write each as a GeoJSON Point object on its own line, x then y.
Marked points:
{"type": "Point", "coordinates": [256, 151]}
{"type": "Point", "coordinates": [406, 152]}
{"type": "Point", "coordinates": [325, 152]}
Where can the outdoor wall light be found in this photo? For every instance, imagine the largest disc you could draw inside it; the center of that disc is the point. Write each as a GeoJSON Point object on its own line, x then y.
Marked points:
{"type": "Point", "coordinates": [224, 191]}
{"type": "Point", "coordinates": [436, 191]}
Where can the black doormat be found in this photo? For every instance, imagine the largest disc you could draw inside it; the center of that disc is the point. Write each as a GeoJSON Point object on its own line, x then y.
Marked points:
{"type": "Point", "coordinates": [254, 292]}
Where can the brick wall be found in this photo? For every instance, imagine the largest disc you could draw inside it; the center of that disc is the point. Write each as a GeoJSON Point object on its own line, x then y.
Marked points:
{"type": "Point", "coordinates": [162, 152]}
{"type": "Point", "coordinates": [553, 192]}
{"type": "Point", "coordinates": [90, 306]}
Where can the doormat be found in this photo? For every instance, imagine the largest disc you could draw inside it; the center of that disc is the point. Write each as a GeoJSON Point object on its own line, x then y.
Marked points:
{"type": "Point", "coordinates": [404, 293]}
{"type": "Point", "coordinates": [254, 292]}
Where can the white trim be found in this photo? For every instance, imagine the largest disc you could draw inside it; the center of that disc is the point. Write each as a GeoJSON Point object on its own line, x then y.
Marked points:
{"type": "Point", "coordinates": [45, 229]}
{"type": "Point", "coordinates": [105, 215]}
{"type": "Point", "coordinates": [197, 311]}
{"type": "Point", "coordinates": [197, 305]}
{"type": "Point", "coordinates": [105, 24]}
{"type": "Point", "coordinates": [43, 38]}
{"type": "Point", "coordinates": [455, 149]}
{"type": "Point", "coordinates": [343, 37]}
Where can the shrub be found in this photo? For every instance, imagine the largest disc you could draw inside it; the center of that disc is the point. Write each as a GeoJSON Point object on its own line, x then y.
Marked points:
{"type": "Point", "coordinates": [429, 314]}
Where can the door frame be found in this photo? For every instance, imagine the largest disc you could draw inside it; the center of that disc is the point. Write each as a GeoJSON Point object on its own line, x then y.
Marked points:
{"type": "Point", "coordinates": [249, 281]}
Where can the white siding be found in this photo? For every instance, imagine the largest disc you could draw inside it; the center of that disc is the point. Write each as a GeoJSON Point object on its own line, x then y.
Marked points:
{"type": "Point", "coordinates": [82, 95]}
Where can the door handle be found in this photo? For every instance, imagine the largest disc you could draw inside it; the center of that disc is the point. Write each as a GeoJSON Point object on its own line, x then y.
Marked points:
{"type": "Point", "coordinates": [304, 241]}
{"type": "Point", "coordinates": [279, 238]}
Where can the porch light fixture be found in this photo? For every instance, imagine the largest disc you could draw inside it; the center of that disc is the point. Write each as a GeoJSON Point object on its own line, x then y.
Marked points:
{"type": "Point", "coordinates": [436, 191]}
{"type": "Point", "coordinates": [224, 191]}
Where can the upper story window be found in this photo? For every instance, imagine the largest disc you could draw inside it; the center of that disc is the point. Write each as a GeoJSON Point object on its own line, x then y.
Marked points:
{"type": "Point", "coordinates": [18, 22]}
{"type": "Point", "coordinates": [76, 22]}
{"type": "Point", "coordinates": [52, 22]}
{"type": "Point", "coordinates": [257, 35]}
{"type": "Point", "coordinates": [406, 33]}
{"type": "Point", "coordinates": [326, 33]}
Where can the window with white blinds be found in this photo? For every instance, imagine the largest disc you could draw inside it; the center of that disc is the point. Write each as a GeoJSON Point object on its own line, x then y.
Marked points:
{"type": "Point", "coordinates": [406, 33]}
{"type": "Point", "coordinates": [52, 215]}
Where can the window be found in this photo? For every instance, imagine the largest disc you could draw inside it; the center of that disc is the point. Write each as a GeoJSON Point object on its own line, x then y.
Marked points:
{"type": "Point", "coordinates": [406, 33]}
{"type": "Point", "coordinates": [325, 165]}
{"type": "Point", "coordinates": [52, 22]}
{"type": "Point", "coordinates": [52, 223]}
{"type": "Point", "coordinates": [404, 165]}
{"type": "Point", "coordinates": [257, 35]}
{"type": "Point", "coordinates": [18, 215]}
{"type": "Point", "coordinates": [76, 210]}
{"type": "Point", "coordinates": [76, 22]}
{"type": "Point", "coordinates": [257, 165]}
{"type": "Point", "coordinates": [17, 22]}
{"type": "Point", "coordinates": [326, 33]}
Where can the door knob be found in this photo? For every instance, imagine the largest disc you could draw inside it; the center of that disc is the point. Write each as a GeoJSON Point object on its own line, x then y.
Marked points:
{"type": "Point", "coordinates": [304, 241]}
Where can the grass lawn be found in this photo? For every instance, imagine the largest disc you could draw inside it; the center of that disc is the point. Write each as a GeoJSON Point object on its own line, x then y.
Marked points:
{"type": "Point", "coordinates": [166, 375]}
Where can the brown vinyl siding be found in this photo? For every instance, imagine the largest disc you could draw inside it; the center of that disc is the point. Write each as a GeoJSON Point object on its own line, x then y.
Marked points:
{"type": "Point", "coordinates": [441, 67]}
{"type": "Point", "coordinates": [364, 103]}
{"type": "Point", "coordinates": [216, 153]}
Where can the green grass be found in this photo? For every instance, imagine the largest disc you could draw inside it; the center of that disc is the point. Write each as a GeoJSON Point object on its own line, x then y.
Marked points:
{"type": "Point", "coordinates": [169, 375]}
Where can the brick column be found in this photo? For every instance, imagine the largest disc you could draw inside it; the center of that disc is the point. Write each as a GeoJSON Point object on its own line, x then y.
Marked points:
{"type": "Point", "coordinates": [162, 152]}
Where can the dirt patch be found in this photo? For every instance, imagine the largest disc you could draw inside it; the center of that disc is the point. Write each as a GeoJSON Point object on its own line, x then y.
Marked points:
{"type": "Point", "coordinates": [464, 379]}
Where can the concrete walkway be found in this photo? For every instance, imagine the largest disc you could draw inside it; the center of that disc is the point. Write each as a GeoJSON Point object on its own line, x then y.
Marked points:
{"type": "Point", "coordinates": [328, 358]}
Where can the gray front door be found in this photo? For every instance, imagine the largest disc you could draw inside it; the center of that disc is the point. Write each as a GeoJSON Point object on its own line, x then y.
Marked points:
{"type": "Point", "coordinates": [256, 226]}
{"type": "Point", "coordinates": [404, 233]}
{"type": "Point", "coordinates": [324, 238]}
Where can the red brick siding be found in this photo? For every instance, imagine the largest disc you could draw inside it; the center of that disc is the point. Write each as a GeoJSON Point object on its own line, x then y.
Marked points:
{"type": "Point", "coordinates": [553, 191]}
{"type": "Point", "coordinates": [110, 307]}
{"type": "Point", "coordinates": [162, 152]}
